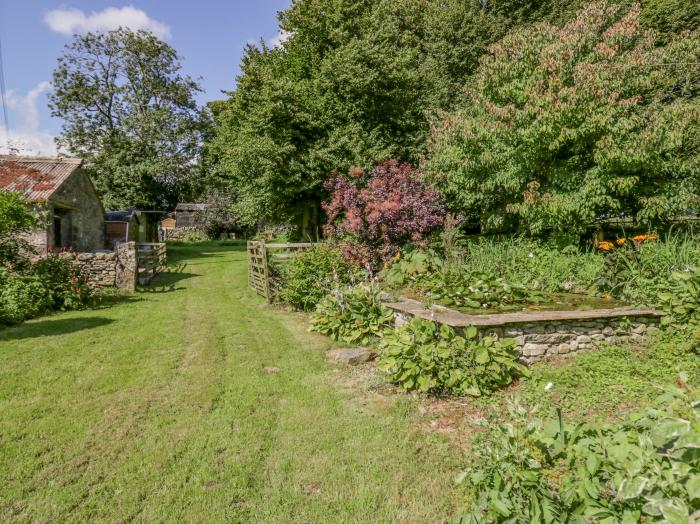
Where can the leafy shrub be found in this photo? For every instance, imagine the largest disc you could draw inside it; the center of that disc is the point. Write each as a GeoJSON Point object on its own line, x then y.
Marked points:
{"type": "Point", "coordinates": [355, 316]}
{"type": "Point", "coordinates": [50, 284]}
{"type": "Point", "coordinates": [66, 286]}
{"type": "Point", "coordinates": [549, 471]}
{"type": "Point", "coordinates": [21, 297]}
{"type": "Point", "coordinates": [193, 236]}
{"type": "Point", "coordinates": [16, 218]}
{"type": "Point", "coordinates": [682, 303]}
{"type": "Point", "coordinates": [423, 356]}
{"type": "Point", "coordinates": [313, 274]}
{"type": "Point", "coordinates": [379, 212]}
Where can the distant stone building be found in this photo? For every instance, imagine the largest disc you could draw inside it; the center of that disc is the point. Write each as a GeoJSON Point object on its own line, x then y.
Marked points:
{"type": "Point", "coordinates": [189, 215]}
{"type": "Point", "coordinates": [70, 210]}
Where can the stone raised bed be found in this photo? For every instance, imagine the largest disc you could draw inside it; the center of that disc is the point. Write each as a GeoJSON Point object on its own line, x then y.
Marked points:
{"type": "Point", "coordinates": [544, 333]}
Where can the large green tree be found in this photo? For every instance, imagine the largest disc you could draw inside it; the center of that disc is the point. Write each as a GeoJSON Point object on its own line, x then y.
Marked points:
{"type": "Point", "coordinates": [131, 114]}
{"type": "Point", "coordinates": [562, 127]}
{"type": "Point", "coordinates": [357, 82]}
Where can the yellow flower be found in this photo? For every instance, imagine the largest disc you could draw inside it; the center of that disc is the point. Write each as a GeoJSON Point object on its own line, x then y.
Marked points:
{"type": "Point", "coordinates": [386, 265]}
{"type": "Point", "coordinates": [397, 256]}
{"type": "Point", "coordinates": [605, 246]}
{"type": "Point", "coordinates": [620, 241]}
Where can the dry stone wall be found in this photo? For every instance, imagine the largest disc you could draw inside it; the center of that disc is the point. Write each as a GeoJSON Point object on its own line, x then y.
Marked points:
{"type": "Point", "coordinates": [563, 338]}
{"type": "Point", "coordinates": [108, 268]}
{"type": "Point", "coordinates": [545, 334]}
{"type": "Point", "coordinates": [100, 268]}
{"type": "Point", "coordinates": [181, 233]}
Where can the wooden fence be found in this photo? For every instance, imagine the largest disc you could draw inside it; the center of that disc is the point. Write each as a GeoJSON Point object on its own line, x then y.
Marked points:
{"type": "Point", "coordinates": [266, 261]}
{"type": "Point", "coordinates": [151, 260]}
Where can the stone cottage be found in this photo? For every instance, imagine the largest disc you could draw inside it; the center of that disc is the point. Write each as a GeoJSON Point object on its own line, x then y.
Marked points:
{"type": "Point", "coordinates": [71, 213]}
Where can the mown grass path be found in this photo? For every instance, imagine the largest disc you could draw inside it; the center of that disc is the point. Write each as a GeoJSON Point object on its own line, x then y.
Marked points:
{"type": "Point", "coordinates": [159, 408]}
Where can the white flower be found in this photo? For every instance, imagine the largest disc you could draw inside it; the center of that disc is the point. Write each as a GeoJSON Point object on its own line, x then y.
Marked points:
{"type": "Point", "coordinates": [548, 386]}
{"type": "Point", "coordinates": [531, 255]}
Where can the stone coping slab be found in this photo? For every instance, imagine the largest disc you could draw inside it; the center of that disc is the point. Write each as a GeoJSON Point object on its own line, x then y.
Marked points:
{"type": "Point", "coordinates": [456, 319]}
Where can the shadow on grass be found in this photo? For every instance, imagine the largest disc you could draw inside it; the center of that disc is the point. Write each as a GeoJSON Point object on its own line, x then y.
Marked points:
{"type": "Point", "coordinates": [115, 298]}
{"type": "Point", "coordinates": [52, 327]}
{"type": "Point", "coordinates": [166, 282]}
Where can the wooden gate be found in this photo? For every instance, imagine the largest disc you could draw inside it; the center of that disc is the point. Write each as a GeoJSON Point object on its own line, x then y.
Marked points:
{"type": "Point", "coordinates": [265, 261]}
{"type": "Point", "coordinates": [151, 260]}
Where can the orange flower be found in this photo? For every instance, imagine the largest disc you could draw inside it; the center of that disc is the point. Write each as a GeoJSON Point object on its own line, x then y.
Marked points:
{"type": "Point", "coordinates": [620, 241]}
{"type": "Point", "coordinates": [386, 265]}
{"type": "Point", "coordinates": [397, 256]}
{"type": "Point", "coordinates": [644, 238]}
{"type": "Point", "coordinates": [605, 246]}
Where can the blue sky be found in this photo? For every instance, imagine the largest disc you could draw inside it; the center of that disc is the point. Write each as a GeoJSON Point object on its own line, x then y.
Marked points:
{"type": "Point", "coordinates": [208, 34]}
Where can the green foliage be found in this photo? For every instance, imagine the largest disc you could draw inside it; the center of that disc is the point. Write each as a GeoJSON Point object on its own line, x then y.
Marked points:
{"type": "Point", "coordinates": [312, 274]}
{"type": "Point", "coordinates": [563, 126]}
{"type": "Point", "coordinates": [605, 384]}
{"type": "Point", "coordinates": [670, 16]}
{"type": "Point", "coordinates": [477, 290]}
{"type": "Point", "coordinates": [51, 284]}
{"type": "Point", "coordinates": [16, 219]}
{"type": "Point", "coordinates": [131, 114]}
{"type": "Point", "coordinates": [455, 285]}
{"type": "Point", "coordinates": [194, 235]}
{"type": "Point", "coordinates": [551, 471]}
{"type": "Point", "coordinates": [65, 286]}
{"type": "Point", "coordinates": [355, 315]}
{"type": "Point", "coordinates": [422, 355]}
{"type": "Point", "coordinates": [21, 297]}
{"type": "Point", "coordinates": [543, 265]}
{"type": "Point", "coordinates": [682, 302]}
{"type": "Point", "coordinates": [641, 272]}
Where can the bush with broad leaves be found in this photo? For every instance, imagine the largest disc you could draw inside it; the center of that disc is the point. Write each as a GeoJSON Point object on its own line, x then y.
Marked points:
{"type": "Point", "coordinates": [424, 356]}
{"type": "Point", "coordinates": [645, 469]}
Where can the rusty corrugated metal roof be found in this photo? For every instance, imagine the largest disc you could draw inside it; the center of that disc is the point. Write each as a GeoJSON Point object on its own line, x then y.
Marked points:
{"type": "Point", "coordinates": [36, 178]}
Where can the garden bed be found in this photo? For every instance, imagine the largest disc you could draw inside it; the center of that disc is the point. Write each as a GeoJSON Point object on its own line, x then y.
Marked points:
{"type": "Point", "coordinates": [541, 334]}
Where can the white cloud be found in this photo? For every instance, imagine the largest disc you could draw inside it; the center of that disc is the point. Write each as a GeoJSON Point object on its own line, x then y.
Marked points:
{"type": "Point", "coordinates": [69, 21]}
{"type": "Point", "coordinates": [280, 38]}
{"type": "Point", "coordinates": [26, 136]}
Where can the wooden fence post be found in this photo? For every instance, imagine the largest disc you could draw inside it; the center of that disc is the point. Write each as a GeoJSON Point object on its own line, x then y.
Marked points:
{"type": "Point", "coordinates": [266, 271]}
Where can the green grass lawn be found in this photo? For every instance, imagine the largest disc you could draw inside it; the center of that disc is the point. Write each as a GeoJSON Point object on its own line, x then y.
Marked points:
{"type": "Point", "coordinates": [159, 408]}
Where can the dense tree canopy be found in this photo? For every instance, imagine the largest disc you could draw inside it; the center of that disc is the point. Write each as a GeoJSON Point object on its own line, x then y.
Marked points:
{"type": "Point", "coordinates": [357, 82]}
{"type": "Point", "coordinates": [565, 126]}
{"type": "Point", "coordinates": [131, 114]}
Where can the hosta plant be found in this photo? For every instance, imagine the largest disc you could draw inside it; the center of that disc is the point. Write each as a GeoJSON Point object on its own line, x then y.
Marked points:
{"type": "Point", "coordinates": [354, 315]}
{"type": "Point", "coordinates": [646, 469]}
{"type": "Point", "coordinates": [422, 355]}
